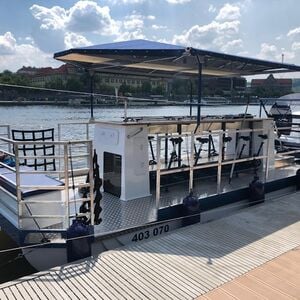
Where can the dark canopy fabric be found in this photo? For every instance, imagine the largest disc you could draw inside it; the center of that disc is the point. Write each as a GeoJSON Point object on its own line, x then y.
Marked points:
{"type": "Point", "coordinates": [148, 58]}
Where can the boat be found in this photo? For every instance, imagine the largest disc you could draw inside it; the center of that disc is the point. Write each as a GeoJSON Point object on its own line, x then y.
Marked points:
{"type": "Point", "coordinates": [216, 100]}
{"type": "Point", "coordinates": [287, 123]}
{"type": "Point", "coordinates": [64, 199]}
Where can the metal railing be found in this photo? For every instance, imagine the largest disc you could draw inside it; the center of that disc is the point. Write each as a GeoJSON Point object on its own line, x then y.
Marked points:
{"type": "Point", "coordinates": [64, 154]}
{"type": "Point", "coordinates": [219, 162]}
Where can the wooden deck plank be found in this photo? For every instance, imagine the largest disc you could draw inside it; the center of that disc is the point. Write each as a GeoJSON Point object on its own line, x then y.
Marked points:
{"type": "Point", "coordinates": [52, 286]}
{"type": "Point", "coordinates": [278, 284]}
{"type": "Point", "coordinates": [29, 290]}
{"type": "Point", "coordinates": [238, 291]}
{"type": "Point", "coordinates": [106, 284]}
{"type": "Point", "coordinates": [167, 278]}
{"type": "Point", "coordinates": [88, 281]}
{"type": "Point", "coordinates": [191, 261]}
{"type": "Point", "coordinates": [21, 289]}
{"type": "Point", "coordinates": [2, 295]}
{"type": "Point", "coordinates": [15, 292]}
{"type": "Point", "coordinates": [130, 291]}
{"type": "Point", "coordinates": [140, 274]}
{"type": "Point", "coordinates": [260, 287]}
{"type": "Point", "coordinates": [165, 268]}
{"type": "Point", "coordinates": [217, 294]}
{"type": "Point", "coordinates": [49, 291]}
{"type": "Point", "coordinates": [39, 290]}
{"type": "Point", "coordinates": [9, 295]}
{"type": "Point", "coordinates": [62, 287]}
{"type": "Point", "coordinates": [126, 279]}
{"type": "Point", "coordinates": [187, 276]}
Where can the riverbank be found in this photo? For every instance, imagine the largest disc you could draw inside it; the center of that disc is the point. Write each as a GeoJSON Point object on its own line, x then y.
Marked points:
{"type": "Point", "coordinates": [66, 103]}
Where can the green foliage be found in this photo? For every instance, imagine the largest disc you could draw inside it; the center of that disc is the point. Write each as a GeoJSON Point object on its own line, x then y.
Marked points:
{"type": "Point", "coordinates": [13, 78]}
{"type": "Point", "coordinates": [146, 87]}
{"type": "Point", "coordinates": [55, 83]}
{"type": "Point", "coordinates": [74, 84]}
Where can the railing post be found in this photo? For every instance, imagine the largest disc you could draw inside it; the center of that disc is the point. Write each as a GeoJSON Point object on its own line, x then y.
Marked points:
{"type": "Point", "coordinates": [87, 131]}
{"type": "Point", "coordinates": [9, 137]}
{"type": "Point", "coordinates": [59, 150]}
{"type": "Point", "coordinates": [158, 166]}
{"type": "Point", "coordinates": [267, 160]}
{"type": "Point", "coordinates": [66, 175]}
{"type": "Point", "coordinates": [91, 178]}
{"type": "Point", "coordinates": [219, 176]}
{"type": "Point", "coordinates": [18, 183]}
{"type": "Point", "coordinates": [192, 161]}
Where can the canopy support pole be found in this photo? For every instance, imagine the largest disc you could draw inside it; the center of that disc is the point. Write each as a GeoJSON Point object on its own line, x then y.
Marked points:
{"type": "Point", "coordinates": [191, 98]}
{"type": "Point", "coordinates": [92, 77]}
{"type": "Point", "coordinates": [199, 90]}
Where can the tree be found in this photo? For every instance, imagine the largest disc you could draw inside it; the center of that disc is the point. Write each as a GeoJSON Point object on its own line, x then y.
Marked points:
{"type": "Point", "coordinates": [146, 87]}
{"type": "Point", "coordinates": [55, 83]}
{"type": "Point", "coordinates": [74, 84]}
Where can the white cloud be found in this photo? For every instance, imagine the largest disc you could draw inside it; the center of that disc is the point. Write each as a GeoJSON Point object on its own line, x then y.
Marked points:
{"type": "Point", "coordinates": [268, 51]}
{"type": "Point", "coordinates": [133, 25]}
{"type": "Point", "coordinates": [133, 22]}
{"type": "Point", "coordinates": [271, 52]}
{"type": "Point", "coordinates": [222, 34]}
{"type": "Point", "coordinates": [23, 54]}
{"type": "Point", "coordinates": [126, 1]}
{"type": "Point", "coordinates": [130, 35]}
{"type": "Point", "coordinates": [294, 32]}
{"type": "Point", "coordinates": [208, 36]}
{"type": "Point", "coordinates": [50, 18]}
{"type": "Point", "coordinates": [7, 43]}
{"type": "Point", "coordinates": [157, 27]}
{"type": "Point", "coordinates": [88, 16]}
{"type": "Point", "coordinates": [211, 8]}
{"type": "Point", "coordinates": [296, 46]}
{"type": "Point", "coordinates": [229, 12]}
{"type": "Point", "coordinates": [73, 40]}
{"type": "Point", "coordinates": [232, 46]}
{"type": "Point", "coordinates": [59, 27]}
{"type": "Point", "coordinates": [178, 1]}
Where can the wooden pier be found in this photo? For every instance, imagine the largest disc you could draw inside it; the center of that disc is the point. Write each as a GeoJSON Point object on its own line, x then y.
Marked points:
{"type": "Point", "coordinates": [186, 264]}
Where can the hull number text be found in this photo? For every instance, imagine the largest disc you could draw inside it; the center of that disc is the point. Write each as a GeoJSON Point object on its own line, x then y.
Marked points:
{"type": "Point", "coordinates": [144, 235]}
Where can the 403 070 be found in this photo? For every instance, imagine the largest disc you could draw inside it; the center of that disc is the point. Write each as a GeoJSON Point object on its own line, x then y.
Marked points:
{"type": "Point", "coordinates": [144, 235]}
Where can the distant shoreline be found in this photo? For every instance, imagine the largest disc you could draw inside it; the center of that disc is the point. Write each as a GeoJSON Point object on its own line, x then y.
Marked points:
{"type": "Point", "coordinates": [51, 103]}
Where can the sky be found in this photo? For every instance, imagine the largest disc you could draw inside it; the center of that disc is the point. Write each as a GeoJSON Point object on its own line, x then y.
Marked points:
{"type": "Point", "coordinates": [32, 31]}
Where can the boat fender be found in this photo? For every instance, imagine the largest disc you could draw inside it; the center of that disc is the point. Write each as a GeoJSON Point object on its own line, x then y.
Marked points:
{"type": "Point", "coordinates": [256, 191]}
{"type": "Point", "coordinates": [191, 207]}
{"type": "Point", "coordinates": [191, 203]}
{"type": "Point", "coordinates": [79, 240]}
{"type": "Point", "coordinates": [298, 180]}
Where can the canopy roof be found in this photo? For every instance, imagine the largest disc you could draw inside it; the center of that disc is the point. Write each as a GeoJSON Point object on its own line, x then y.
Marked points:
{"type": "Point", "coordinates": [142, 57]}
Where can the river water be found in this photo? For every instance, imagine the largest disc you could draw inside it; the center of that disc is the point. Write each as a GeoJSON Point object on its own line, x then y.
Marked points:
{"type": "Point", "coordinates": [35, 117]}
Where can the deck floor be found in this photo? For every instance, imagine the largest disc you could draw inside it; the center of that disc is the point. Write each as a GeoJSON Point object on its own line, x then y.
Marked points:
{"type": "Point", "coordinates": [181, 265]}
{"type": "Point", "coordinates": [118, 214]}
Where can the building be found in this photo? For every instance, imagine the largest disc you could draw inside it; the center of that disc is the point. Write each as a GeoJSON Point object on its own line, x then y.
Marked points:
{"type": "Point", "coordinates": [225, 85]}
{"type": "Point", "coordinates": [41, 76]}
{"type": "Point", "coordinates": [282, 85]}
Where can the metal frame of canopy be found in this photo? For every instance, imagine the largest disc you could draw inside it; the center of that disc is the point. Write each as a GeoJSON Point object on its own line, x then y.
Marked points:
{"type": "Point", "coordinates": [152, 59]}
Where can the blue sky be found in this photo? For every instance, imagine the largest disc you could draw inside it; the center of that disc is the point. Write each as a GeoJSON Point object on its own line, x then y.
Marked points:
{"type": "Point", "coordinates": [31, 31]}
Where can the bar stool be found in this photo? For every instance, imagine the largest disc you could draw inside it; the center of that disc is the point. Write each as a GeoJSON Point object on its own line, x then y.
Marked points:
{"type": "Point", "coordinates": [245, 139]}
{"type": "Point", "coordinates": [202, 141]}
{"type": "Point", "coordinates": [151, 161]}
{"type": "Point", "coordinates": [174, 157]}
